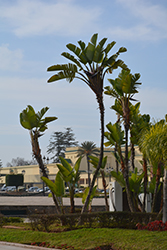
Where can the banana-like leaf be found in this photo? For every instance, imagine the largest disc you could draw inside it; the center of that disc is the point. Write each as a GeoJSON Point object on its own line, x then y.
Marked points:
{"type": "Point", "coordinates": [65, 173]}
{"type": "Point", "coordinates": [28, 118]}
{"type": "Point", "coordinates": [95, 160]}
{"type": "Point", "coordinates": [94, 39]}
{"type": "Point", "coordinates": [82, 45]}
{"type": "Point", "coordinates": [72, 58]}
{"type": "Point", "coordinates": [65, 164]}
{"type": "Point", "coordinates": [85, 194]}
{"type": "Point", "coordinates": [50, 184]}
{"type": "Point", "coordinates": [41, 113]}
{"type": "Point", "coordinates": [74, 49]}
{"type": "Point", "coordinates": [77, 164]}
{"type": "Point", "coordinates": [122, 49]}
{"type": "Point", "coordinates": [118, 177]}
{"type": "Point", "coordinates": [90, 49]}
{"type": "Point", "coordinates": [77, 51]}
{"type": "Point", "coordinates": [109, 47]}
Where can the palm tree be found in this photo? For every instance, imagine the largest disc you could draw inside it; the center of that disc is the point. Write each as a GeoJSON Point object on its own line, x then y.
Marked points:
{"type": "Point", "coordinates": [153, 145]}
{"type": "Point", "coordinates": [90, 66]}
{"type": "Point", "coordinates": [88, 148]}
{"type": "Point", "coordinates": [36, 124]}
{"type": "Point", "coordinates": [122, 89]}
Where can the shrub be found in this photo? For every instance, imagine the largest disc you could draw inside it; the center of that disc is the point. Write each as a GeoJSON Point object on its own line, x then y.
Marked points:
{"type": "Point", "coordinates": [127, 220]}
{"type": "Point", "coordinates": [156, 225]}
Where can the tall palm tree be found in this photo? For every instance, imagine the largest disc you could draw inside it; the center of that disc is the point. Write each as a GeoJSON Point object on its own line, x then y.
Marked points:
{"type": "Point", "coordinates": [122, 89]}
{"type": "Point", "coordinates": [90, 65]}
{"type": "Point", "coordinates": [36, 125]}
{"type": "Point", "coordinates": [88, 148]}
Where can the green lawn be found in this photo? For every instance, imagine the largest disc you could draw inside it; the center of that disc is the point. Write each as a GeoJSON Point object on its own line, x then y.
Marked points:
{"type": "Point", "coordinates": [90, 238]}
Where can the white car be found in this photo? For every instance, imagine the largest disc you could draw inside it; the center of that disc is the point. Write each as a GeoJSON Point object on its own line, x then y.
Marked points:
{"type": "Point", "coordinates": [33, 190]}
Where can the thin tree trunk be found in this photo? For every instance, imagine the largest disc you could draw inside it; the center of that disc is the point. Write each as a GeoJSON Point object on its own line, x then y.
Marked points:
{"type": "Point", "coordinates": [88, 163]}
{"type": "Point", "coordinates": [132, 156]}
{"type": "Point", "coordinates": [164, 218]}
{"type": "Point", "coordinates": [116, 162]}
{"type": "Point", "coordinates": [104, 186]}
{"type": "Point", "coordinates": [126, 171]}
{"type": "Point", "coordinates": [72, 200]}
{"type": "Point", "coordinates": [145, 183]}
{"type": "Point", "coordinates": [158, 175]}
{"type": "Point", "coordinates": [37, 153]}
{"type": "Point", "coordinates": [101, 107]}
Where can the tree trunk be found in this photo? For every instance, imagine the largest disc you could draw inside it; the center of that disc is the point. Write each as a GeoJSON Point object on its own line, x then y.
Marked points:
{"type": "Point", "coordinates": [104, 186]}
{"type": "Point", "coordinates": [88, 163]}
{"type": "Point", "coordinates": [158, 175]}
{"type": "Point", "coordinates": [101, 107]}
{"type": "Point", "coordinates": [165, 197]}
{"type": "Point", "coordinates": [132, 156]}
{"type": "Point", "coordinates": [72, 200]}
{"type": "Point", "coordinates": [145, 183]}
{"type": "Point", "coordinates": [37, 154]}
{"type": "Point", "coordinates": [126, 171]}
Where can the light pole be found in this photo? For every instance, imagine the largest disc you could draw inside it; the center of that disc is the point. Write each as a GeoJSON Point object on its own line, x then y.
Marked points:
{"type": "Point", "coordinates": [108, 170]}
{"type": "Point", "coordinates": [23, 173]}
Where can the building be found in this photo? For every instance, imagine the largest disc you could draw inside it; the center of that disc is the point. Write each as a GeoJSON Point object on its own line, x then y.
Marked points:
{"type": "Point", "coordinates": [32, 176]}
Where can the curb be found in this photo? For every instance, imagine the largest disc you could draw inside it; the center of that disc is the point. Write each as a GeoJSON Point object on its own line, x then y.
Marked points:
{"type": "Point", "coordinates": [24, 246]}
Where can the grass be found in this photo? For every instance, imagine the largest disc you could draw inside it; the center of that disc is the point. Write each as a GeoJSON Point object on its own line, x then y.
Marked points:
{"type": "Point", "coordinates": [89, 238]}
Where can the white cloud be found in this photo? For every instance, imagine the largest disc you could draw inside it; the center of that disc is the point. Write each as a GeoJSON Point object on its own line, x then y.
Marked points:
{"type": "Point", "coordinates": [10, 60]}
{"type": "Point", "coordinates": [149, 21]}
{"type": "Point", "coordinates": [65, 17]}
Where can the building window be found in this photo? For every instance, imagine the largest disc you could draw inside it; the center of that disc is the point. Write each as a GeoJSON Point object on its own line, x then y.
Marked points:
{"type": "Point", "coordinates": [81, 181]}
{"type": "Point", "coordinates": [87, 181]}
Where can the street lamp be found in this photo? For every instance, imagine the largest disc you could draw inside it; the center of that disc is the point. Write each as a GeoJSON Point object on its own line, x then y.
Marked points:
{"type": "Point", "coordinates": [108, 170]}
{"type": "Point", "coordinates": [23, 173]}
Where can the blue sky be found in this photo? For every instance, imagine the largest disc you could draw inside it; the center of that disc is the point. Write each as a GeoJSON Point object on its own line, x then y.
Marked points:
{"type": "Point", "coordinates": [34, 33]}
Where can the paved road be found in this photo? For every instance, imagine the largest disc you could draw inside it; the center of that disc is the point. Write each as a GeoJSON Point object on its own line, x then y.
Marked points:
{"type": "Point", "coordinates": [43, 201]}
{"type": "Point", "coordinates": [15, 246]}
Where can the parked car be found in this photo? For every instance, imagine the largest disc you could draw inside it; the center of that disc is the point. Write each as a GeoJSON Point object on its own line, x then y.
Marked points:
{"type": "Point", "coordinates": [33, 189]}
{"type": "Point", "coordinates": [8, 188]}
{"type": "Point", "coordinates": [46, 189]}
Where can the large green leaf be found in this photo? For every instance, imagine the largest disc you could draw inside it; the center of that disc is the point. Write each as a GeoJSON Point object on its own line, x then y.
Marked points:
{"type": "Point", "coordinates": [28, 118]}
{"type": "Point", "coordinates": [95, 160]}
{"type": "Point", "coordinates": [50, 184]}
{"type": "Point", "coordinates": [72, 58]}
{"type": "Point", "coordinates": [74, 49]}
{"type": "Point", "coordinates": [41, 113]}
{"type": "Point", "coordinates": [85, 194]}
{"type": "Point", "coordinates": [65, 164]}
{"type": "Point", "coordinates": [109, 47]}
{"type": "Point", "coordinates": [65, 173]}
{"type": "Point", "coordinates": [68, 73]}
{"type": "Point", "coordinates": [118, 177]}
{"type": "Point", "coordinates": [89, 52]}
{"type": "Point", "coordinates": [77, 165]}
{"type": "Point", "coordinates": [94, 39]}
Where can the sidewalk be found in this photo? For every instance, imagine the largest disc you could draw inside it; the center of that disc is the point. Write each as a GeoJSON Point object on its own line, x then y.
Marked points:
{"type": "Point", "coordinates": [43, 201]}
{"type": "Point", "coordinates": [16, 246]}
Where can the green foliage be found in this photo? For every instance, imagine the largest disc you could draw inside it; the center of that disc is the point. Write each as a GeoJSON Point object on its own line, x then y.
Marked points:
{"type": "Point", "coordinates": [124, 220]}
{"type": "Point", "coordinates": [85, 194]}
{"type": "Point", "coordinates": [30, 120]}
{"type": "Point", "coordinates": [95, 160]}
{"type": "Point", "coordinates": [70, 175]}
{"type": "Point", "coordinates": [56, 187]}
{"type": "Point", "coordinates": [91, 59]}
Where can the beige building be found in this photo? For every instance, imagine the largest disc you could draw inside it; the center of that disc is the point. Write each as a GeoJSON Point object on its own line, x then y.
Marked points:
{"type": "Point", "coordinates": [32, 175]}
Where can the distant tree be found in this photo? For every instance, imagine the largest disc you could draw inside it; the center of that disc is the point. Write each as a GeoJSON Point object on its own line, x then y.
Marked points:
{"type": "Point", "coordinates": [20, 162]}
{"type": "Point", "coordinates": [58, 143]}
{"type": "Point", "coordinates": [0, 163]}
